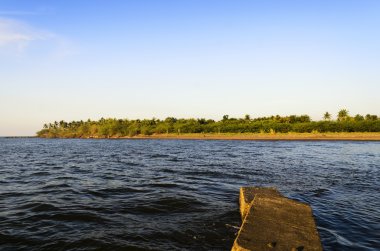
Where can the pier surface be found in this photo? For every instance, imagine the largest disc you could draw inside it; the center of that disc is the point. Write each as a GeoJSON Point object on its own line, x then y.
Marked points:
{"type": "Point", "coordinates": [273, 222]}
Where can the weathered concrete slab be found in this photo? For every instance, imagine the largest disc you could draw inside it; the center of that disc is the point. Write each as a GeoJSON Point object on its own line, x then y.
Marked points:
{"type": "Point", "coordinates": [247, 194]}
{"type": "Point", "coordinates": [277, 223]}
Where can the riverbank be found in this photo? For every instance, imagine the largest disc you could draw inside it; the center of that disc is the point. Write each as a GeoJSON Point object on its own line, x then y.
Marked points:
{"type": "Point", "coordinates": [362, 136]}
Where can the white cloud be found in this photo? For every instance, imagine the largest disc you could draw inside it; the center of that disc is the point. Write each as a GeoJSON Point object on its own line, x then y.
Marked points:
{"type": "Point", "coordinates": [42, 10]}
{"type": "Point", "coordinates": [17, 37]}
{"type": "Point", "coordinates": [18, 13]}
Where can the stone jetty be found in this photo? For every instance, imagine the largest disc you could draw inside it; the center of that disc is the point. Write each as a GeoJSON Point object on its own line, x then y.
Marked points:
{"type": "Point", "coordinates": [271, 221]}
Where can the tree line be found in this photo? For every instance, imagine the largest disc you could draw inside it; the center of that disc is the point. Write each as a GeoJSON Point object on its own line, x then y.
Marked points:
{"type": "Point", "coordinates": [112, 127]}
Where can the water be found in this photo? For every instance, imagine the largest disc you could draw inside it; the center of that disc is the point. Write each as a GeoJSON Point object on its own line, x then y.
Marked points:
{"type": "Point", "coordinates": [178, 194]}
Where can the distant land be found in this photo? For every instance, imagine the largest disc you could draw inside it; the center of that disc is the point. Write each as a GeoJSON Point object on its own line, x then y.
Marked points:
{"type": "Point", "coordinates": [18, 137]}
{"type": "Point", "coordinates": [293, 127]}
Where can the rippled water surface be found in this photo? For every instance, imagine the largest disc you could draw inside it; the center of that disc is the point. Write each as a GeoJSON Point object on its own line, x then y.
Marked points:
{"type": "Point", "coordinates": [178, 194]}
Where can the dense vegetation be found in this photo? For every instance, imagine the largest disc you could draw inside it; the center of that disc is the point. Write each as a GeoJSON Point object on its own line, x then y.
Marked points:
{"type": "Point", "coordinates": [273, 124]}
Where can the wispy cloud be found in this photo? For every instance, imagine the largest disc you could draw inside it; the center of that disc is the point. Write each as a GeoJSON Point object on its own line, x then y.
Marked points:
{"type": "Point", "coordinates": [17, 37]}
{"type": "Point", "coordinates": [43, 10]}
{"type": "Point", "coordinates": [18, 13]}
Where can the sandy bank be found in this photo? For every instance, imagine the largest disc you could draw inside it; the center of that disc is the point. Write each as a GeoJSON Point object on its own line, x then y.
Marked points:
{"type": "Point", "coordinates": [266, 136]}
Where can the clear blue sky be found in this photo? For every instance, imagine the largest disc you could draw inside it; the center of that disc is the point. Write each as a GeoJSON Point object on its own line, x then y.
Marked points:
{"type": "Point", "coordinates": [75, 60]}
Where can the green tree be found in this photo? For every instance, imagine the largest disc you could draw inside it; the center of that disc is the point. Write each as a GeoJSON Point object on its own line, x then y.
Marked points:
{"type": "Point", "coordinates": [327, 116]}
{"type": "Point", "coordinates": [358, 117]}
{"type": "Point", "coordinates": [304, 118]}
{"type": "Point", "coordinates": [370, 117]}
{"type": "Point", "coordinates": [121, 127]}
{"type": "Point", "coordinates": [342, 115]}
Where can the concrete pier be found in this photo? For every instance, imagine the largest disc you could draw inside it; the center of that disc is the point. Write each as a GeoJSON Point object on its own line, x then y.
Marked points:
{"type": "Point", "coordinates": [247, 194]}
{"type": "Point", "coordinates": [273, 222]}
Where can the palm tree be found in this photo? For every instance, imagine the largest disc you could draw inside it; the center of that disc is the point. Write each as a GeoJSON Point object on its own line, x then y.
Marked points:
{"type": "Point", "coordinates": [342, 115]}
{"type": "Point", "coordinates": [327, 116]}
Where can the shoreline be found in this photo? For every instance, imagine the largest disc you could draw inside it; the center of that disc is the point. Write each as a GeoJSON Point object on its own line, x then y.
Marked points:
{"type": "Point", "coordinates": [270, 137]}
{"type": "Point", "coordinates": [353, 136]}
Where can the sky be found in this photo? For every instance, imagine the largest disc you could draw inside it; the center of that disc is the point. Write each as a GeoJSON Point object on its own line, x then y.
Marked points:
{"type": "Point", "coordinates": [74, 60]}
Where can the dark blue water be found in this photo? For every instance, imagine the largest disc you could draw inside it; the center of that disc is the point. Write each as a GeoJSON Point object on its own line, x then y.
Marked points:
{"type": "Point", "coordinates": [178, 194]}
